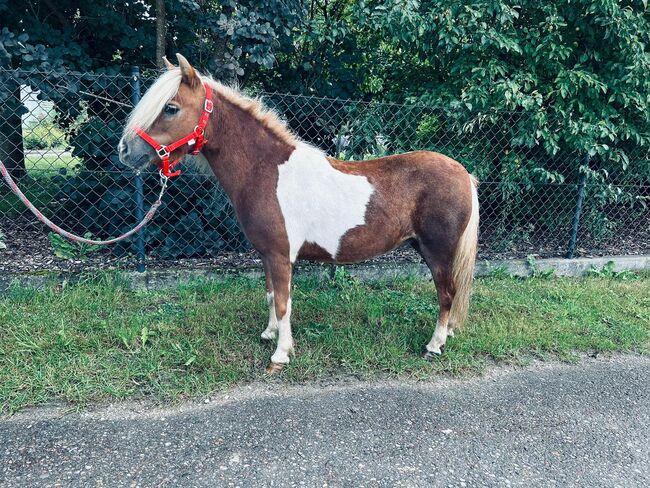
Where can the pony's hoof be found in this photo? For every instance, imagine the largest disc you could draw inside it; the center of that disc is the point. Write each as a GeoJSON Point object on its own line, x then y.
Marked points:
{"type": "Point", "coordinates": [450, 332]}
{"type": "Point", "coordinates": [431, 355]}
{"type": "Point", "coordinates": [274, 368]}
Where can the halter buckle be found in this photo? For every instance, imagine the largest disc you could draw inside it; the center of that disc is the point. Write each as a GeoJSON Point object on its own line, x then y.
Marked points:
{"type": "Point", "coordinates": [208, 106]}
{"type": "Point", "coordinates": [162, 152]}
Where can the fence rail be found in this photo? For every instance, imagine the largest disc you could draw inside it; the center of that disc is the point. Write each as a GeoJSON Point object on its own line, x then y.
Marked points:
{"type": "Point", "coordinates": [59, 131]}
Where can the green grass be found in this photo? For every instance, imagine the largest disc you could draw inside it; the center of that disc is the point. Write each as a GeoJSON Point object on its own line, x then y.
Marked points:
{"type": "Point", "coordinates": [97, 340]}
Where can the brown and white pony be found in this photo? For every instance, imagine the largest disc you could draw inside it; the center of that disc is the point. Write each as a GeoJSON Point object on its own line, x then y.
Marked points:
{"type": "Point", "coordinates": [294, 202]}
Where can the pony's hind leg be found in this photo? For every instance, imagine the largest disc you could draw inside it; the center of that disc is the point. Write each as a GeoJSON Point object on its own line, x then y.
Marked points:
{"type": "Point", "coordinates": [445, 289]}
{"type": "Point", "coordinates": [271, 330]}
{"type": "Point", "coordinates": [441, 270]}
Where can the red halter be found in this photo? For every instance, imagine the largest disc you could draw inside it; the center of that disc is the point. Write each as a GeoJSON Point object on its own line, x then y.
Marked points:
{"type": "Point", "coordinates": [195, 138]}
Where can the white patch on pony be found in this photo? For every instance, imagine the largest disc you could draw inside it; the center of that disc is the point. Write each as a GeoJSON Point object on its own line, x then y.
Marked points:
{"type": "Point", "coordinates": [439, 338]}
{"type": "Point", "coordinates": [318, 202]}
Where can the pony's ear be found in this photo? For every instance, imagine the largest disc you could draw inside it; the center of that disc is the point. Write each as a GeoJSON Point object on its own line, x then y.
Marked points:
{"type": "Point", "coordinates": [188, 74]}
{"type": "Point", "coordinates": [168, 64]}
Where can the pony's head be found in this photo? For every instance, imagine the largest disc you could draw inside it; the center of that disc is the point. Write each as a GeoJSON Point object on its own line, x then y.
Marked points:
{"type": "Point", "coordinates": [167, 112]}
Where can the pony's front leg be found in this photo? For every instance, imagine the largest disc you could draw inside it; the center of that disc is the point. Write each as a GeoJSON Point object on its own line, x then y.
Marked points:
{"type": "Point", "coordinates": [271, 330]}
{"type": "Point", "coordinates": [281, 279]}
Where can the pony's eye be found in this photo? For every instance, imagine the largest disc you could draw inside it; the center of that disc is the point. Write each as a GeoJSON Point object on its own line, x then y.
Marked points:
{"type": "Point", "coordinates": [171, 109]}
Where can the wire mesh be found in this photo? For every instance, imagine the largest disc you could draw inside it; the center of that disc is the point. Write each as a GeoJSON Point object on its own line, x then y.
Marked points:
{"type": "Point", "coordinates": [59, 132]}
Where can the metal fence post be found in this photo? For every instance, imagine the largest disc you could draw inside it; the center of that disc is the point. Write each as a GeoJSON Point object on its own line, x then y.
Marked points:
{"type": "Point", "coordinates": [576, 215]}
{"type": "Point", "coordinates": [139, 185]}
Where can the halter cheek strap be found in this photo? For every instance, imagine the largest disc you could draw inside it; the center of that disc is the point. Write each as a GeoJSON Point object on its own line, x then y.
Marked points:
{"type": "Point", "coordinates": [196, 138]}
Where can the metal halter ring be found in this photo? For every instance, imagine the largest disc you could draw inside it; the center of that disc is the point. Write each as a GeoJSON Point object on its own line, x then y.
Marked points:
{"type": "Point", "coordinates": [162, 152]}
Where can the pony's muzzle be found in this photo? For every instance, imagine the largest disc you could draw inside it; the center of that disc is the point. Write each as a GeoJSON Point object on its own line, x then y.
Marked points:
{"type": "Point", "coordinates": [134, 154]}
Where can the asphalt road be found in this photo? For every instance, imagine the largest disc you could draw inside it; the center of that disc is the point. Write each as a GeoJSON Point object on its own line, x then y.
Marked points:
{"type": "Point", "coordinates": [546, 425]}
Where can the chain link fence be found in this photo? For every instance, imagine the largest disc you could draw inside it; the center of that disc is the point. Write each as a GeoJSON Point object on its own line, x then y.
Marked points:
{"type": "Point", "coordinates": [59, 132]}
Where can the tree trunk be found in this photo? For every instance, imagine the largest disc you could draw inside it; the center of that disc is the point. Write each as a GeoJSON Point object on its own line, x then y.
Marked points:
{"type": "Point", "coordinates": [161, 32]}
{"type": "Point", "coordinates": [11, 131]}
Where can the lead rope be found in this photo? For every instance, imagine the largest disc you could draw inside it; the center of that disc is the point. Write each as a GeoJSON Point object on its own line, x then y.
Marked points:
{"type": "Point", "coordinates": [14, 188]}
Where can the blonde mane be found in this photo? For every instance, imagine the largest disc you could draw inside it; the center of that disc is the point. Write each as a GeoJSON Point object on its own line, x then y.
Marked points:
{"type": "Point", "coordinates": [166, 87]}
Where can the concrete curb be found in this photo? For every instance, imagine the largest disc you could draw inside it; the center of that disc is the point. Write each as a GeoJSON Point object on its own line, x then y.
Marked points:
{"type": "Point", "coordinates": [157, 279]}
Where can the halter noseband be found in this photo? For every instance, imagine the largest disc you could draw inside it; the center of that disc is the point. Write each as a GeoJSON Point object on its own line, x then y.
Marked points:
{"type": "Point", "coordinates": [195, 138]}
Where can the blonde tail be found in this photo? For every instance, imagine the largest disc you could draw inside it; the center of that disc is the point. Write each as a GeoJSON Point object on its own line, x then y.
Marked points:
{"type": "Point", "coordinates": [464, 260]}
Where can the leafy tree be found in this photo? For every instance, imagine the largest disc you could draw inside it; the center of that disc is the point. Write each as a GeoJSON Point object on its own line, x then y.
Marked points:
{"type": "Point", "coordinates": [571, 75]}
{"type": "Point", "coordinates": [233, 39]}
{"type": "Point", "coordinates": [561, 77]}
{"type": "Point", "coordinates": [548, 82]}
